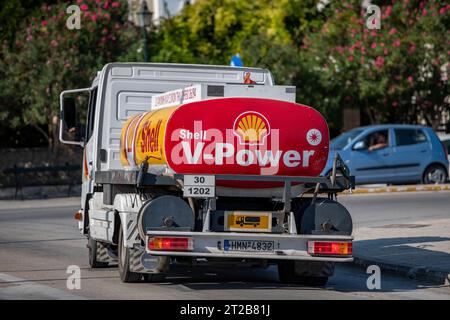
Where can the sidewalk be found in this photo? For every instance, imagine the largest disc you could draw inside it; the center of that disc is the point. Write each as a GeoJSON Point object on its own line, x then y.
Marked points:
{"type": "Point", "coordinates": [419, 250]}
{"type": "Point", "coordinates": [47, 192]}
{"type": "Point", "coordinates": [403, 188]}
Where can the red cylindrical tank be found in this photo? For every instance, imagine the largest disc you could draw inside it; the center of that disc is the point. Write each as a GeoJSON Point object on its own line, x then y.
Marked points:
{"type": "Point", "coordinates": [230, 136]}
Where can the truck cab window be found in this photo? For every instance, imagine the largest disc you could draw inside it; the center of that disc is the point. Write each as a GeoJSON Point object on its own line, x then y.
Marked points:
{"type": "Point", "coordinates": [91, 113]}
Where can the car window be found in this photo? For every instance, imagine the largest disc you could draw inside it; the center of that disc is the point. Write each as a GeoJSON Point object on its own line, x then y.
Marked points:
{"type": "Point", "coordinates": [405, 137]}
{"type": "Point", "coordinates": [377, 139]}
{"type": "Point", "coordinates": [344, 139]}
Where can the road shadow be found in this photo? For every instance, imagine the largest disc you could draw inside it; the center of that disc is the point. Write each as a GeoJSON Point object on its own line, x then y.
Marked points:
{"type": "Point", "coordinates": [349, 277]}
{"type": "Point", "coordinates": [227, 278]}
{"type": "Point", "coordinates": [396, 257]}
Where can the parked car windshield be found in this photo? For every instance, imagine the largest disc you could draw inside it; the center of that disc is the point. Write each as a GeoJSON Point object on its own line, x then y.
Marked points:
{"type": "Point", "coordinates": [344, 139]}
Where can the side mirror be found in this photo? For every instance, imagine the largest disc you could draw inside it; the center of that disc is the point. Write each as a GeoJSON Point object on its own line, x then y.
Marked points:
{"type": "Point", "coordinates": [69, 114]}
{"type": "Point", "coordinates": [71, 120]}
{"type": "Point", "coordinates": [360, 145]}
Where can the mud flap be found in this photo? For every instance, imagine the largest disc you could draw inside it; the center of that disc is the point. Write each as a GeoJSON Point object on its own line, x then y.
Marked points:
{"type": "Point", "coordinates": [142, 262]}
{"type": "Point", "coordinates": [104, 254]}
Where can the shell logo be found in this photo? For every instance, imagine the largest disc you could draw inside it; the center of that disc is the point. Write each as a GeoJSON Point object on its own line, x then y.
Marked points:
{"type": "Point", "coordinates": [251, 128]}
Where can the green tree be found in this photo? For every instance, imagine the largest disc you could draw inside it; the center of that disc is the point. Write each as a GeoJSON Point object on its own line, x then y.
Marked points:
{"type": "Point", "coordinates": [266, 33]}
{"type": "Point", "coordinates": [398, 73]}
{"type": "Point", "coordinates": [12, 12]}
{"type": "Point", "coordinates": [46, 58]}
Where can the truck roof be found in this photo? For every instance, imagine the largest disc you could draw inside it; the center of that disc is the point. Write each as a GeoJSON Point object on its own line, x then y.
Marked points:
{"type": "Point", "coordinates": [269, 80]}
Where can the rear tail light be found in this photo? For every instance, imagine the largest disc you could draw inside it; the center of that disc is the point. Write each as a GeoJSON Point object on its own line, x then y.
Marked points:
{"type": "Point", "coordinates": [329, 248]}
{"type": "Point", "coordinates": [170, 244]}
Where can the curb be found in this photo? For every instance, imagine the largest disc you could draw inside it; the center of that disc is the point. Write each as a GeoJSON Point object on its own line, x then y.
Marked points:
{"type": "Point", "coordinates": [392, 189]}
{"type": "Point", "coordinates": [420, 273]}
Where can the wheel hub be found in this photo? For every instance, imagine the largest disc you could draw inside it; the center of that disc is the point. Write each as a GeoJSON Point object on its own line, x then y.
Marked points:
{"type": "Point", "coordinates": [436, 176]}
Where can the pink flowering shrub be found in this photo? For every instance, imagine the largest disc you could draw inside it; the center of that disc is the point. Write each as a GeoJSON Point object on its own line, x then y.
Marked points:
{"type": "Point", "coordinates": [406, 60]}
{"type": "Point", "coordinates": [47, 57]}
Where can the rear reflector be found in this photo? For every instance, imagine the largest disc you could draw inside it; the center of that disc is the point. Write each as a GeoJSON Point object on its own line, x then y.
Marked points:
{"type": "Point", "coordinates": [170, 243]}
{"type": "Point", "coordinates": [329, 248]}
{"type": "Point", "coordinates": [78, 216]}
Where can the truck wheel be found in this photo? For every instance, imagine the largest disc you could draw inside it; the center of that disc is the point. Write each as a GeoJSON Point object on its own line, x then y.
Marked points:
{"type": "Point", "coordinates": [157, 277]}
{"type": "Point", "coordinates": [287, 274]}
{"type": "Point", "coordinates": [124, 262]}
{"type": "Point", "coordinates": [93, 263]}
{"type": "Point", "coordinates": [313, 281]}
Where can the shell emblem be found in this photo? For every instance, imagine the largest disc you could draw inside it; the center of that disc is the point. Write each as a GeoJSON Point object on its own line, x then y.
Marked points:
{"type": "Point", "coordinates": [251, 128]}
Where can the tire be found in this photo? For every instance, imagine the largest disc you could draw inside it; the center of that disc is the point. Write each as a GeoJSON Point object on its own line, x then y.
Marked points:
{"type": "Point", "coordinates": [313, 281]}
{"type": "Point", "coordinates": [152, 278]}
{"type": "Point", "coordinates": [434, 174]}
{"type": "Point", "coordinates": [287, 274]}
{"type": "Point", "coordinates": [124, 262]}
{"type": "Point", "coordinates": [93, 263]}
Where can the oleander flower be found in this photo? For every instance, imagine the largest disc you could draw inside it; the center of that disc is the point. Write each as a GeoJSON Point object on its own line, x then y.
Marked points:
{"type": "Point", "coordinates": [379, 61]}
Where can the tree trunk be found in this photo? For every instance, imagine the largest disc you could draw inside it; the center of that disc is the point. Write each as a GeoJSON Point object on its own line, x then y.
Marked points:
{"type": "Point", "coordinates": [42, 131]}
{"type": "Point", "coordinates": [351, 118]}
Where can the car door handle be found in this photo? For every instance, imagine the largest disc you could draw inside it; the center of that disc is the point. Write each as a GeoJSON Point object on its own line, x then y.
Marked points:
{"type": "Point", "coordinates": [385, 154]}
{"type": "Point", "coordinates": [423, 151]}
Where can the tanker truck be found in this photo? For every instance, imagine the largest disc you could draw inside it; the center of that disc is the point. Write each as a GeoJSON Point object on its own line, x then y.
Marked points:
{"type": "Point", "coordinates": [202, 164]}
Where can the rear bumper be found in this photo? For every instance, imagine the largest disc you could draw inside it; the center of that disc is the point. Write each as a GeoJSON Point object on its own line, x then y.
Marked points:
{"type": "Point", "coordinates": [286, 246]}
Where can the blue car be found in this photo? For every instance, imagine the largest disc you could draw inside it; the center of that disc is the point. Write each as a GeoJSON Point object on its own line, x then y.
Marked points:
{"type": "Point", "coordinates": [391, 154]}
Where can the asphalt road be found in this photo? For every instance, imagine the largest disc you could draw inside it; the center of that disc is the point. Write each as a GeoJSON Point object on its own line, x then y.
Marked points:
{"type": "Point", "coordinates": [373, 210]}
{"type": "Point", "coordinates": [39, 240]}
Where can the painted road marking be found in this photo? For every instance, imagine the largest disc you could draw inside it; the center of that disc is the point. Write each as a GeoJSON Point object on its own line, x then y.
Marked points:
{"type": "Point", "coordinates": [13, 288]}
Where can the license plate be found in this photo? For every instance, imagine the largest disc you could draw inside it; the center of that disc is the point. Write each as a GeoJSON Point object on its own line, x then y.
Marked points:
{"type": "Point", "coordinates": [198, 192]}
{"type": "Point", "coordinates": [248, 221]}
{"type": "Point", "coordinates": [248, 245]}
{"type": "Point", "coordinates": [199, 186]}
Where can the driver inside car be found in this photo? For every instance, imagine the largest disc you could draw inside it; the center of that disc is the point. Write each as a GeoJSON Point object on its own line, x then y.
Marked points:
{"type": "Point", "coordinates": [379, 142]}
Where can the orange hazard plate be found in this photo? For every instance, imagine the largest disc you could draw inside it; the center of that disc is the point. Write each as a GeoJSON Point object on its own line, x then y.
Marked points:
{"type": "Point", "coordinates": [248, 221]}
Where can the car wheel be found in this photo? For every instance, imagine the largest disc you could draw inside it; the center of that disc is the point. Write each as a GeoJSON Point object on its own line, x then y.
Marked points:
{"type": "Point", "coordinates": [434, 174]}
